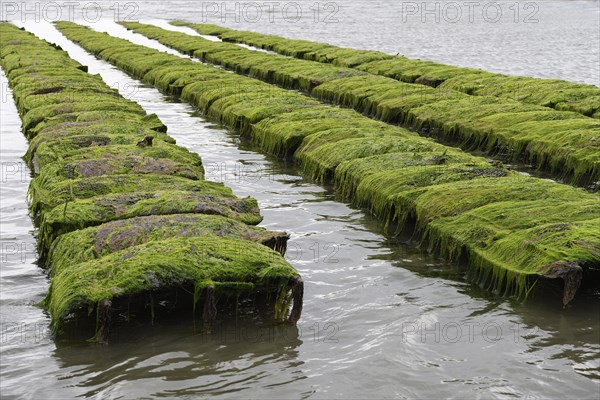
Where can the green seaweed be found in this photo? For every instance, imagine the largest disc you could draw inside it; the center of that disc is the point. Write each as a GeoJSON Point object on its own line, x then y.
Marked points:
{"type": "Point", "coordinates": [109, 184]}
{"type": "Point", "coordinates": [45, 197]}
{"type": "Point", "coordinates": [53, 141]}
{"type": "Point", "coordinates": [446, 112]}
{"type": "Point", "coordinates": [395, 173]}
{"type": "Point", "coordinates": [158, 158]}
{"type": "Point", "coordinates": [98, 241]}
{"type": "Point", "coordinates": [554, 93]}
{"type": "Point", "coordinates": [223, 263]}
{"type": "Point", "coordinates": [96, 210]}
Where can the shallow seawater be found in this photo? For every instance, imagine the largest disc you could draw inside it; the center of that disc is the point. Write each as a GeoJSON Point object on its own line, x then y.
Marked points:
{"type": "Point", "coordinates": [381, 319]}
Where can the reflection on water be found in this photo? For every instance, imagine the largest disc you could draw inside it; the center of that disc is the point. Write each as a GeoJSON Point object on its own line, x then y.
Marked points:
{"type": "Point", "coordinates": [381, 318]}
{"type": "Point", "coordinates": [170, 360]}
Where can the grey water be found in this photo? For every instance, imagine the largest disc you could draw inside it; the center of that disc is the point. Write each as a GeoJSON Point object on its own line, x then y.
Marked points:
{"type": "Point", "coordinates": [544, 38]}
{"type": "Point", "coordinates": [381, 319]}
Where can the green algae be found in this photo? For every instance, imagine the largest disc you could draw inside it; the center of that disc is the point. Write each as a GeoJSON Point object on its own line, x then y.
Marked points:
{"type": "Point", "coordinates": [98, 241]}
{"type": "Point", "coordinates": [554, 93]}
{"type": "Point", "coordinates": [224, 263]}
{"type": "Point", "coordinates": [40, 114]}
{"type": "Point", "coordinates": [376, 190]}
{"type": "Point", "coordinates": [445, 112]}
{"type": "Point", "coordinates": [56, 140]}
{"type": "Point", "coordinates": [560, 142]}
{"type": "Point", "coordinates": [241, 111]}
{"type": "Point", "coordinates": [108, 180]}
{"type": "Point", "coordinates": [446, 200]}
{"type": "Point", "coordinates": [96, 210]}
{"type": "Point", "coordinates": [43, 197]}
{"type": "Point", "coordinates": [540, 247]}
{"type": "Point", "coordinates": [94, 160]}
{"type": "Point", "coordinates": [395, 173]}
{"type": "Point", "coordinates": [410, 162]}
{"type": "Point", "coordinates": [110, 121]}
{"type": "Point", "coordinates": [296, 48]}
{"type": "Point", "coordinates": [282, 134]}
{"type": "Point", "coordinates": [207, 29]}
{"type": "Point", "coordinates": [319, 161]}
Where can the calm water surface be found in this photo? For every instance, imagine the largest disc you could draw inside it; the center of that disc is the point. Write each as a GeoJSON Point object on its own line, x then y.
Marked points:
{"type": "Point", "coordinates": [544, 38]}
{"type": "Point", "coordinates": [381, 319]}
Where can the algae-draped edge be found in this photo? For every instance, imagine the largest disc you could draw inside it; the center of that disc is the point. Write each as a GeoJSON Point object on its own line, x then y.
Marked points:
{"type": "Point", "coordinates": [124, 213]}
{"type": "Point", "coordinates": [512, 229]}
